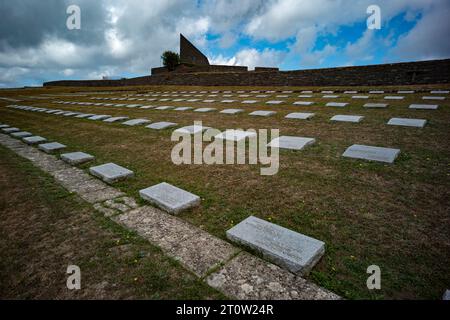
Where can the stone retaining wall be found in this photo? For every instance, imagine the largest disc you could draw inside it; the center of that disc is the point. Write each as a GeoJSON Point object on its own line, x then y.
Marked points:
{"type": "Point", "coordinates": [411, 73]}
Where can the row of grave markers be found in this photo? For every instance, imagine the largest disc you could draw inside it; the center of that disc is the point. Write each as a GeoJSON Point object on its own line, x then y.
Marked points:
{"type": "Point", "coordinates": [409, 122]}
{"type": "Point", "coordinates": [387, 155]}
{"type": "Point", "coordinates": [291, 250]}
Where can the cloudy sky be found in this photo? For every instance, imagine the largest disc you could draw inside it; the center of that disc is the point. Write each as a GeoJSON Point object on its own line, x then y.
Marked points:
{"type": "Point", "coordinates": [126, 37]}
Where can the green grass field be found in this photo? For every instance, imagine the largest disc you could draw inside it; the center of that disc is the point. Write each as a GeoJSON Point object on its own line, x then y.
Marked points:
{"type": "Point", "coordinates": [395, 216]}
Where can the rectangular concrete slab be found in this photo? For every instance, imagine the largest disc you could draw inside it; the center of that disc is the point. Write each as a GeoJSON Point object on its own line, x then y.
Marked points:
{"type": "Point", "coordinates": [433, 98]}
{"type": "Point", "coordinates": [183, 108]}
{"type": "Point", "coordinates": [274, 102]}
{"type": "Point", "coordinates": [115, 119]}
{"type": "Point", "coordinates": [191, 129]}
{"type": "Point", "coordinates": [262, 113]}
{"type": "Point", "coordinates": [424, 106]}
{"type": "Point", "coordinates": [21, 134]}
{"type": "Point", "coordinates": [34, 140]}
{"type": "Point", "coordinates": [292, 143]}
{"type": "Point", "coordinates": [375, 105]}
{"type": "Point", "coordinates": [300, 116]}
{"type": "Point", "coordinates": [235, 135]}
{"type": "Point", "coordinates": [111, 172]}
{"type": "Point", "coordinates": [10, 130]}
{"type": "Point", "coordinates": [357, 151]}
{"type": "Point", "coordinates": [394, 98]}
{"type": "Point", "coordinates": [346, 118]}
{"type": "Point", "coordinates": [337, 104]}
{"type": "Point", "coordinates": [161, 125]}
{"type": "Point", "coordinates": [250, 101]}
{"type": "Point", "coordinates": [232, 111]}
{"type": "Point", "coordinates": [99, 117]}
{"type": "Point", "coordinates": [135, 122]}
{"type": "Point", "coordinates": [293, 251]}
{"type": "Point", "coordinates": [170, 198]}
{"type": "Point", "coordinates": [75, 158]}
{"type": "Point", "coordinates": [419, 123]}
{"type": "Point", "coordinates": [205, 110]}
{"type": "Point", "coordinates": [303, 103]}
{"type": "Point", "coordinates": [51, 147]}
{"type": "Point", "coordinates": [164, 108]}
{"type": "Point", "coordinates": [439, 92]}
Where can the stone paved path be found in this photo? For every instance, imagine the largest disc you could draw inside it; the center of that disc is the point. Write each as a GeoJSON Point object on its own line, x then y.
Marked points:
{"type": "Point", "coordinates": [222, 265]}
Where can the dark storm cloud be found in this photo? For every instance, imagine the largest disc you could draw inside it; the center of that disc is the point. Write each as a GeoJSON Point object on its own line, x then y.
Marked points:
{"type": "Point", "coordinates": [25, 23]}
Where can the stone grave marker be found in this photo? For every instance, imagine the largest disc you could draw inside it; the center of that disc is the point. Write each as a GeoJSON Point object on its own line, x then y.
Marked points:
{"type": "Point", "coordinates": [303, 103]}
{"type": "Point", "coordinates": [111, 172]}
{"type": "Point", "coordinates": [375, 105]}
{"type": "Point", "coordinates": [10, 130]}
{"type": "Point", "coordinates": [191, 129]}
{"type": "Point", "coordinates": [164, 108]}
{"type": "Point", "coordinates": [51, 147]}
{"type": "Point", "coordinates": [21, 134]}
{"type": "Point", "coordinates": [115, 119]}
{"type": "Point", "coordinates": [203, 110]}
{"type": "Point", "coordinates": [76, 158]}
{"type": "Point", "coordinates": [347, 118]}
{"type": "Point", "coordinates": [34, 140]}
{"type": "Point", "coordinates": [433, 98]}
{"type": "Point", "coordinates": [424, 106]}
{"type": "Point", "coordinates": [135, 122]}
{"type": "Point", "coordinates": [337, 104]}
{"type": "Point", "coordinates": [300, 116]}
{"type": "Point", "coordinates": [262, 113]}
{"type": "Point", "coordinates": [235, 135]}
{"type": "Point", "coordinates": [170, 198]}
{"type": "Point", "coordinates": [232, 111]}
{"type": "Point", "coordinates": [290, 250]}
{"type": "Point", "coordinates": [291, 143]}
{"type": "Point", "coordinates": [274, 102]}
{"type": "Point", "coordinates": [387, 155]}
{"type": "Point", "coordinates": [419, 123]}
{"type": "Point", "coordinates": [183, 108]}
{"type": "Point", "coordinates": [161, 125]}
{"type": "Point", "coordinates": [99, 117]}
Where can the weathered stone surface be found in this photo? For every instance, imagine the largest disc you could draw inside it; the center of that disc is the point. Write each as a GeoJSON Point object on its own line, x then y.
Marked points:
{"type": "Point", "coordinates": [227, 101]}
{"type": "Point", "coordinates": [433, 98]}
{"type": "Point", "coordinates": [34, 140]}
{"type": "Point", "coordinates": [164, 108]}
{"type": "Point", "coordinates": [247, 277]}
{"type": "Point", "coordinates": [161, 125]}
{"type": "Point", "coordinates": [360, 97]}
{"type": "Point", "coordinates": [405, 91]}
{"type": "Point", "coordinates": [357, 151]}
{"type": "Point", "coordinates": [303, 103]}
{"type": "Point", "coordinates": [288, 249]}
{"type": "Point", "coordinates": [394, 98]}
{"type": "Point", "coordinates": [274, 102]}
{"type": "Point", "coordinates": [376, 92]}
{"type": "Point", "coordinates": [235, 135]}
{"type": "Point", "coordinates": [337, 104]}
{"type": "Point", "coordinates": [21, 134]}
{"type": "Point", "coordinates": [232, 111]}
{"type": "Point", "coordinates": [375, 105]}
{"type": "Point", "coordinates": [191, 129]}
{"type": "Point", "coordinates": [179, 239]}
{"type": "Point", "coordinates": [424, 106]}
{"type": "Point", "coordinates": [10, 130]}
{"type": "Point", "coordinates": [111, 172]}
{"type": "Point", "coordinates": [101, 195]}
{"type": "Point", "coordinates": [300, 116]}
{"type": "Point", "coordinates": [419, 123]}
{"type": "Point", "coordinates": [262, 113]}
{"type": "Point", "coordinates": [250, 101]}
{"type": "Point", "coordinates": [99, 117]}
{"type": "Point", "coordinates": [292, 143]}
{"type": "Point", "coordinates": [135, 122]}
{"type": "Point", "coordinates": [85, 115]}
{"type": "Point", "coordinates": [115, 119]}
{"type": "Point", "coordinates": [75, 158]}
{"type": "Point", "coordinates": [170, 198]}
{"type": "Point", "coordinates": [205, 110]}
{"type": "Point", "coordinates": [346, 118]}
{"type": "Point", "coordinates": [330, 96]}
{"type": "Point", "coordinates": [183, 108]}
{"type": "Point", "coordinates": [439, 92]}
{"type": "Point", "coordinates": [51, 147]}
